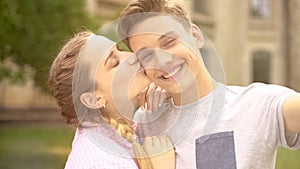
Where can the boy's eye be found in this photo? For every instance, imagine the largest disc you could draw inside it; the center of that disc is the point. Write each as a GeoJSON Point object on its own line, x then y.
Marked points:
{"type": "Point", "coordinates": [145, 55]}
{"type": "Point", "coordinates": [168, 43]}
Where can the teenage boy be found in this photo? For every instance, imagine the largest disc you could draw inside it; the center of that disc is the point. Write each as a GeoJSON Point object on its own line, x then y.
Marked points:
{"type": "Point", "coordinates": [228, 126]}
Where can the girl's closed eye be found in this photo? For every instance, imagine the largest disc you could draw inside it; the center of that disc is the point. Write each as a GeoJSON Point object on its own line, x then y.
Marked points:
{"type": "Point", "coordinates": [113, 61]}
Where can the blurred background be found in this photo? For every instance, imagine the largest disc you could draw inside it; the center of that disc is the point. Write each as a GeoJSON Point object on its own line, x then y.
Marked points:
{"type": "Point", "coordinates": [257, 40]}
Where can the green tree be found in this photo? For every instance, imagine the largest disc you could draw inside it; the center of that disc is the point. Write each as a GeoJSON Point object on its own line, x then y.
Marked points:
{"type": "Point", "coordinates": [33, 31]}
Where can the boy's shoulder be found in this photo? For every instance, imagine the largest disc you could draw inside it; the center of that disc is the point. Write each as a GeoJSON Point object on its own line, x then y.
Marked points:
{"type": "Point", "coordinates": [258, 88]}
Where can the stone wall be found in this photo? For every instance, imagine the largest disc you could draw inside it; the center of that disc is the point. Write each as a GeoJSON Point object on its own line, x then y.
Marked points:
{"type": "Point", "coordinates": [23, 95]}
{"type": "Point", "coordinates": [237, 35]}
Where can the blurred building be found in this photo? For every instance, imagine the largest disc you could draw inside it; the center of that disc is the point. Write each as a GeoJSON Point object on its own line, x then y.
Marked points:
{"type": "Point", "coordinates": [107, 10]}
{"type": "Point", "coordinates": [22, 95]}
{"type": "Point", "coordinates": [257, 40]}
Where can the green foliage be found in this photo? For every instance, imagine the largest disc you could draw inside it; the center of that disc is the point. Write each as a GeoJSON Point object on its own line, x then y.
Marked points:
{"type": "Point", "coordinates": [288, 159]}
{"type": "Point", "coordinates": [14, 76]}
{"type": "Point", "coordinates": [47, 146]}
{"type": "Point", "coordinates": [33, 31]}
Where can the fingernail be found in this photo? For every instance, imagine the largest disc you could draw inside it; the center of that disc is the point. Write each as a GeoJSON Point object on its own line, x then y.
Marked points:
{"type": "Point", "coordinates": [159, 104]}
{"type": "Point", "coordinates": [143, 108]}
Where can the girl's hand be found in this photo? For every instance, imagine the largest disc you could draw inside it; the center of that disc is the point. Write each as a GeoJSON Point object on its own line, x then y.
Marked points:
{"type": "Point", "coordinates": [160, 151]}
{"type": "Point", "coordinates": [142, 158]}
{"type": "Point", "coordinates": [152, 97]}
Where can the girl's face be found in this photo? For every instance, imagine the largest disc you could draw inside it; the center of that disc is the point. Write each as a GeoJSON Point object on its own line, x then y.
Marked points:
{"type": "Point", "coordinates": [119, 80]}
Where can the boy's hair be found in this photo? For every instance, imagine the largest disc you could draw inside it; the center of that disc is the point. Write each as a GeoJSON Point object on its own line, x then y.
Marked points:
{"type": "Point", "coordinates": [170, 7]}
{"type": "Point", "coordinates": [139, 10]}
{"type": "Point", "coordinates": [61, 75]}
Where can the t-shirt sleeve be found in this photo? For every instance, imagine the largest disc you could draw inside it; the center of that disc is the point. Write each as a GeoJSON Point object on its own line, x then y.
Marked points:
{"type": "Point", "coordinates": [276, 97]}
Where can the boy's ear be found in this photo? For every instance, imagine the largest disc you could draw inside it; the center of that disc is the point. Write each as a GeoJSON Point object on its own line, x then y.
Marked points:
{"type": "Point", "coordinates": [198, 36]}
{"type": "Point", "coordinates": [90, 101]}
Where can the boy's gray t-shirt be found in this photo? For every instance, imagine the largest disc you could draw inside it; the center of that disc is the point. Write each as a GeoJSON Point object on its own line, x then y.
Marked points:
{"type": "Point", "coordinates": [232, 127]}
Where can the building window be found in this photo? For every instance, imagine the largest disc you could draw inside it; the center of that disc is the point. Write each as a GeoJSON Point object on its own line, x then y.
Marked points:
{"type": "Point", "coordinates": [261, 66]}
{"type": "Point", "coordinates": [201, 6]}
{"type": "Point", "coordinates": [261, 9]}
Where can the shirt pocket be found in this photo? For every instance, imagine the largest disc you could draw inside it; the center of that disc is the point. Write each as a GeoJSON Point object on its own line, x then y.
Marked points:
{"type": "Point", "coordinates": [216, 151]}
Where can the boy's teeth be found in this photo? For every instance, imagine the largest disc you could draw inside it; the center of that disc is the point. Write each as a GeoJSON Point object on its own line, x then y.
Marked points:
{"type": "Point", "coordinates": [173, 72]}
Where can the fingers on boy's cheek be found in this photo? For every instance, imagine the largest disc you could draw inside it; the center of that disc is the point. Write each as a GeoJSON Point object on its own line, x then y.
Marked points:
{"type": "Point", "coordinates": [150, 101]}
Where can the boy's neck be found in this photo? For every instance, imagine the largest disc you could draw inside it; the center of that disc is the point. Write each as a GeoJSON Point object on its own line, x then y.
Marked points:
{"type": "Point", "coordinates": [202, 87]}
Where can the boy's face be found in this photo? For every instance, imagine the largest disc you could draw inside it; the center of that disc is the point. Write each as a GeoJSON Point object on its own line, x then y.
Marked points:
{"type": "Point", "coordinates": [168, 52]}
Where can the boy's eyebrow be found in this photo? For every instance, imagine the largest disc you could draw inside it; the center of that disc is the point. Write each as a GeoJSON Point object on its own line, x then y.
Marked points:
{"type": "Point", "coordinates": [168, 34]}
{"type": "Point", "coordinates": [139, 50]}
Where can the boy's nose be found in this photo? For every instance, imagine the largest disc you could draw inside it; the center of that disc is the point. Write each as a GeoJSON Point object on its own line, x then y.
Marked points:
{"type": "Point", "coordinates": [163, 57]}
